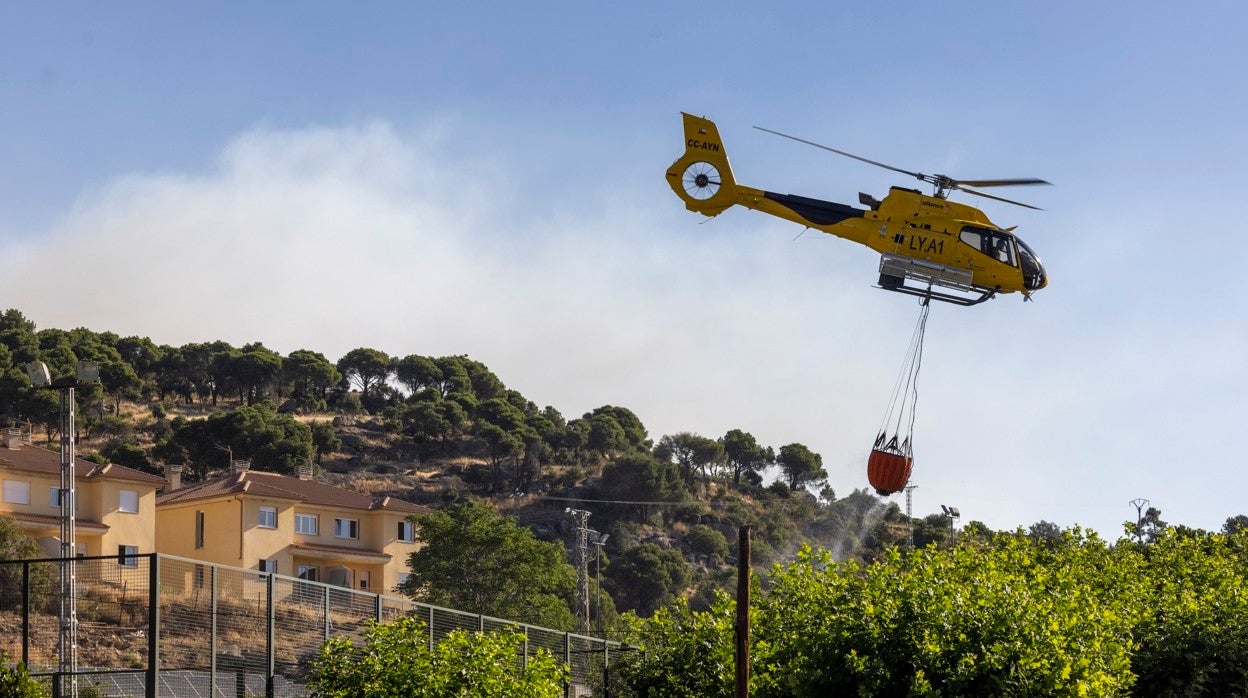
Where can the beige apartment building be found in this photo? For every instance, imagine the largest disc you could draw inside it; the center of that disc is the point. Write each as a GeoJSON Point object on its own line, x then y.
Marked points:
{"type": "Point", "coordinates": [287, 525]}
{"type": "Point", "coordinates": [116, 512]}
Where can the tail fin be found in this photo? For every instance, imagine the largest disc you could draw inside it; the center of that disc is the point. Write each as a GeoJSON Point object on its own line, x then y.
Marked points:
{"type": "Point", "coordinates": [702, 177]}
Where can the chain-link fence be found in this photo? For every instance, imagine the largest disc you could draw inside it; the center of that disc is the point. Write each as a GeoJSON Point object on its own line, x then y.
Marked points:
{"type": "Point", "coordinates": [149, 625]}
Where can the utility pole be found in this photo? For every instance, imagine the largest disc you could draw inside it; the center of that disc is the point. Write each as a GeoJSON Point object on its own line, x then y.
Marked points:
{"type": "Point", "coordinates": [1139, 503]}
{"type": "Point", "coordinates": [910, 517]}
{"type": "Point", "coordinates": [743, 614]}
{"type": "Point", "coordinates": [581, 517]}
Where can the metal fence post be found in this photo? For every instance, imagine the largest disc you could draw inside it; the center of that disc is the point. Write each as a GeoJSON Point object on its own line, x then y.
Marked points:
{"type": "Point", "coordinates": [378, 608]}
{"type": "Point", "coordinates": [567, 659]}
{"type": "Point", "coordinates": [325, 610]}
{"type": "Point", "coordinates": [26, 614]}
{"type": "Point", "coordinates": [153, 625]}
{"type": "Point", "coordinates": [272, 646]}
{"type": "Point", "coordinates": [212, 637]}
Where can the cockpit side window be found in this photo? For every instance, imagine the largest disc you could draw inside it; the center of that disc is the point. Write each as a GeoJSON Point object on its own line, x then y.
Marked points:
{"type": "Point", "coordinates": [992, 243]}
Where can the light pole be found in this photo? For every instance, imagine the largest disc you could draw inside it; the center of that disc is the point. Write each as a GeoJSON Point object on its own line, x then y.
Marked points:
{"type": "Point", "coordinates": [598, 539]}
{"type": "Point", "coordinates": [952, 513]}
{"type": "Point", "coordinates": [86, 373]}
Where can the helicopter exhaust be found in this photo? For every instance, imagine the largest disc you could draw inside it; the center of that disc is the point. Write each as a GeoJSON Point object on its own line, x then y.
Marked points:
{"type": "Point", "coordinates": [702, 177]}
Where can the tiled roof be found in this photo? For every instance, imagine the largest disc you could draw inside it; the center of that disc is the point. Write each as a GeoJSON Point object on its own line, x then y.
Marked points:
{"type": "Point", "coordinates": [274, 486]}
{"type": "Point", "coordinates": [40, 460]}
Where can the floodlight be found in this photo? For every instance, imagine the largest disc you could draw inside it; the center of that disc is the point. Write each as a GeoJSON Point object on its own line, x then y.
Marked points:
{"type": "Point", "coordinates": [38, 372]}
{"type": "Point", "coordinates": [88, 372]}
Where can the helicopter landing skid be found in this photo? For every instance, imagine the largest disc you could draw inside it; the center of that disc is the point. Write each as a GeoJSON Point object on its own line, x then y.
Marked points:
{"type": "Point", "coordinates": [895, 270]}
{"type": "Point", "coordinates": [929, 293]}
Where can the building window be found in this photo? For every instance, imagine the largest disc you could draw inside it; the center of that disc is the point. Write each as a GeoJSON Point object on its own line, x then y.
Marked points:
{"type": "Point", "coordinates": [129, 501]}
{"type": "Point", "coordinates": [407, 531]}
{"type": "Point", "coordinates": [127, 555]}
{"type": "Point", "coordinates": [307, 524]}
{"type": "Point", "coordinates": [268, 517]}
{"type": "Point", "coordinates": [307, 572]}
{"type": "Point", "coordinates": [16, 492]}
{"type": "Point", "coordinates": [402, 578]}
{"type": "Point", "coordinates": [346, 528]}
{"type": "Point", "coordinates": [54, 497]}
{"type": "Point", "coordinates": [199, 530]}
{"type": "Point", "coordinates": [268, 566]}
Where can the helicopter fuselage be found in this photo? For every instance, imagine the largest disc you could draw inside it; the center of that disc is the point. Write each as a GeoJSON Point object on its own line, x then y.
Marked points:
{"type": "Point", "coordinates": [920, 237]}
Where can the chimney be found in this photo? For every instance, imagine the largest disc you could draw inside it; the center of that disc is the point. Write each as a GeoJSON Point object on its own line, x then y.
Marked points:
{"type": "Point", "coordinates": [13, 438]}
{"type": "Point", "coordinates": [304, 470]}
{"type": "Point", "coordinates": [174, 472]}
{"type": "Point", "coordinates": [241, 465]}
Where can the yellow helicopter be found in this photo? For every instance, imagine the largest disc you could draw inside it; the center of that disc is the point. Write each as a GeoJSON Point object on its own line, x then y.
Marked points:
{"type": "Point", "coordinates": [920, 238]}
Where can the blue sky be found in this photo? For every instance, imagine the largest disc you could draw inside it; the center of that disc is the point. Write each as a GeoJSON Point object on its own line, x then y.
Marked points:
{"type": "Point", "coordinates": [487, 179]}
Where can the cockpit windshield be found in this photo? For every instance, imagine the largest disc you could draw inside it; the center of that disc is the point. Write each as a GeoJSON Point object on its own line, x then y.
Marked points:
{"type": "Point", "coordinates": [995, 244]}
{"type": "Point", "coordinates": [1033, 271]}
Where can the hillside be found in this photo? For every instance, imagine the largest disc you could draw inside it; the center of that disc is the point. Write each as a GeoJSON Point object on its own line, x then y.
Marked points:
{"type": "Point", "coordinates": [440, 429]}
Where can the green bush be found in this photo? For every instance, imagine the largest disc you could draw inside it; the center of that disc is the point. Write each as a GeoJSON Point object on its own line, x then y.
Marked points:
{"type": "Point", "coordinates": [396, 661]}
{"type": "Point", "coordinates": [1012, 615]}
{"type": "Point", "coordinates": [15, 680]}
{"type": "Point", "coordinates": [704, 540]}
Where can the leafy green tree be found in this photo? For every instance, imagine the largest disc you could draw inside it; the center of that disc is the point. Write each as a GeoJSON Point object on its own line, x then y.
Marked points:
{"type": "Point", "coordinates": [683, 654]}
{"type": "Point", "coordinates": [634, 431]}
{"type": "Point", "coordinates": [418, 374]}
{"type": "Point", "coordinates": [454, 376]}
{"type": "Point", "coordinates": [254, 371]}
{"type": "Point", "coordinates": [605, 436]}
{"type": "Point", "coordinates": [640, 477]}
{"type": "Point", "coordinates": [502, 446]}
{"type": "Point", "coordinates": [433, 420]}
{"type": "Point", "coordinates": [801, 465]}
{"type": "Point", "coordinates": [366, 368]}
{"type": "Point", "coordinates": [705, 540]}
{"type": "Point", "coordinates": [744, 455]}
{"type": "Point", "coordinates": [477, 561]}
{"type": "Point", "coordinates": [647, 577]}
{"type": "Point", "coordinates": [15, 544]}
{"type": "Point", "coordinates": [396, 661]}
{"type": "Point", "coordinates": [485, 384]}
{"type": "Point", "coordinates": [696, 455]}
{"type": "Point", "coordinates": [15, 680]}
{"type": "Point", "coordinates": [144, 357]}
{"type": "Point", "coordinates": [1192, 624]}
{"type": "Point", "coordinates": [1148, 528]}
{"type": "Point", "coordinates": [1045, 532]}
{"type": "Point", "coordinates": [121, 382]}
{"type": "Point", "coordinates": [996, 621]}
{"type": "Point", "coordinates": [310, 376]}
{"type": "Point", "coordinates": [324, 439]}
{"type": "Point", "coordinates": [1235, 524]}
{"type": "Point", "coordinates": [273, 441]}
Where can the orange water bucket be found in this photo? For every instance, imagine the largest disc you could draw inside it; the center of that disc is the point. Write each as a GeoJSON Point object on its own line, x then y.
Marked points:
{"type": "Point", "coordinates": [888, 472]}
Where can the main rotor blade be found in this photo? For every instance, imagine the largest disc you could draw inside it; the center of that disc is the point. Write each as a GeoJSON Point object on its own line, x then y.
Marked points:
{"type": "Point", "coordinates": [959, 187]}
{"type": "Point", "coordinates": [848, 155]}
{"type": "Point", "coordinates": [1002, 182]}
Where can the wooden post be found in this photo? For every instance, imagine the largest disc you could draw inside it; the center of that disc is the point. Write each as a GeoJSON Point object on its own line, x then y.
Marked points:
{"type": "Point", "coordinates": [743, 612]}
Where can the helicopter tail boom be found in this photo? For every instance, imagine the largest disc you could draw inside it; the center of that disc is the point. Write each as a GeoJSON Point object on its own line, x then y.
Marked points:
{"type": "Point", "coordinates": [702, 177]}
